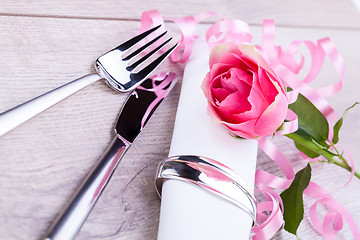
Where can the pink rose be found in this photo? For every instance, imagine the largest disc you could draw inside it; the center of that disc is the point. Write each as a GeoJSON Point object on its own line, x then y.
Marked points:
{"type": "Point", "coordinates": [243, 92]}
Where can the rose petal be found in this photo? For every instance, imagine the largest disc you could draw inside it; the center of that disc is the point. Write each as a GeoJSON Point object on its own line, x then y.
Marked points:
{"type": "Point", "coordinates": [219, 94]}
{"type": "Point", "coordinates": [228, 61]}
{"type": "Point", "coordinates": [243, 92]}
{"type": "Point", "coordinates": [245, 130]}
{"type": "Point", "coordinates": [266, 85]}
{"type": "Point", "coordinates": [277, 82]}
{"type": "Point", "coordinates": [205, 85]}
{"type": "Point", "coordinates": [236, 60]}
{"type": "Point", "coordinates": [243, 75]}
{"type": "Point", "coordinates": [273, 116]}
{"type": "Point", "coordinates": [239, 84]}
{"type": "Point", "coordinates": [227, 81]}
{"type": "Point", "coordinates": [237, 57]}
{"type": "Point", "coordinates": [241, 130]}
{"type": "Point", "coordinates": [257, 100]}
{"type": "Point", "coordinates": [218, 51]}
{"type": "Point", "coordinates": [219, 69]}
{"type": "Point", "coordinates": [250, 53]}
{"type": "Point", "coordinates": [211, 109]}
{"type": "Point", "coordinates": [234, 104]}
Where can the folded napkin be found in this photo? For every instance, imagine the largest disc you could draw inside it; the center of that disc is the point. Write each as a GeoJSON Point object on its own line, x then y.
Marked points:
{"type": "Point", "coordinates": [189, 211]}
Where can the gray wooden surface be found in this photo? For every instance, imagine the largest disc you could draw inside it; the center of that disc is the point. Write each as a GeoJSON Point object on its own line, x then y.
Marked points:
{"type": "Point", "coordinates": [44, 44]}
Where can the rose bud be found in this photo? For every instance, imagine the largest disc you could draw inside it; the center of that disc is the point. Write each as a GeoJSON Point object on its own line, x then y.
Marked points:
{"type": "Point", "coordinates": [243, 92]}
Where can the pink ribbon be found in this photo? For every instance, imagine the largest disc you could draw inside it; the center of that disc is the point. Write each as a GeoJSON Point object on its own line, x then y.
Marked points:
{"type": "Point", "coordinates": [285, 66]}
{"type": "Point", "coordinates": [159, 90]}
{"type": "Point", "coordinates": [268, 224]}
{"type": "Point", "coordinates": [228, 31]}
{"type": "Point", "coordinates": [332, 222]}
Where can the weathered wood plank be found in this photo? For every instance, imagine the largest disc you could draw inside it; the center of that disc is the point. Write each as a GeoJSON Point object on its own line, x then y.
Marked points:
{"type": "Point", "coordinates": [330, 13]}
{"type": "Point", "coordinates": [43, 161]}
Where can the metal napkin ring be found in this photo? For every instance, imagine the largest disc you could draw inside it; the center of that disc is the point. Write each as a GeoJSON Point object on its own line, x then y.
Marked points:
{"type": "Point", "coordinates": [209, 174]}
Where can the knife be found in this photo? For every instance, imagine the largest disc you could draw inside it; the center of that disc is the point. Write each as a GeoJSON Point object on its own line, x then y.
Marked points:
{"type": "Point", "coordinates": [134, 115]}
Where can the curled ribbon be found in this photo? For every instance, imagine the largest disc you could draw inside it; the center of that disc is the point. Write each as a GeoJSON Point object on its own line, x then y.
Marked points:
{"type": "Point", "coordinates": [286, 67]}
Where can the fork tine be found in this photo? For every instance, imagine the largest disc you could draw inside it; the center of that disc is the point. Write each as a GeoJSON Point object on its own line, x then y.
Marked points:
{"type": "Point", "coordinates": [143, 47]}
{"type": "Point", "coordinates": [131, 42]}
{"type": "Point", "coordinates": [146, 71]}
{"type": "Point", "coordinates": [141, 60]}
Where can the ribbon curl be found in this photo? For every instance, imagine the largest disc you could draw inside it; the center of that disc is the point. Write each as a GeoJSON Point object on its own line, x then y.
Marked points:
{"type": "Point", "coordinates": [285, 66]}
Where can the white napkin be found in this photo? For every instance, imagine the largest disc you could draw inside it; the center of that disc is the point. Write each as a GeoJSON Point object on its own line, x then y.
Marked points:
{"type": "Point", "coordinates": [187, 211]}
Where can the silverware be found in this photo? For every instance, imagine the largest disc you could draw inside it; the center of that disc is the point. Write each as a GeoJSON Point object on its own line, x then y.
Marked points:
{"type": "Point", "coordinates": [119, 67]}
{"type": "Point", "coordinates": [134, 115]}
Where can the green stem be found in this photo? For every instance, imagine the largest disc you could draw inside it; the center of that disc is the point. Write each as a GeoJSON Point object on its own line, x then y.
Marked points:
{"type": "Point", "coordinates": [345, 166]}
{"type": "Point", "coordinates": [341, 157]}
{"type": "Point", "coordinates": [325, 152]}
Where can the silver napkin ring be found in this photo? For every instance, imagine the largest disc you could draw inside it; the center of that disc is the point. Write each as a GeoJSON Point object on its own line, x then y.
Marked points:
{"type": "Point", "coordinates": [209, 174]}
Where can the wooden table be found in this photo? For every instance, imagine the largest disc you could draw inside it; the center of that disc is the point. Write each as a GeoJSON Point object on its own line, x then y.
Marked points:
{"type": "Point", "coordinates": [44, 44]}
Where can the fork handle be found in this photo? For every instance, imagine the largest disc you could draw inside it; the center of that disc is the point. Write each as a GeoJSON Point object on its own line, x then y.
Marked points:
{"type": "Point", "coordinates": [20, 114]}
{"type": "Point", "coordinates": [69, 222]}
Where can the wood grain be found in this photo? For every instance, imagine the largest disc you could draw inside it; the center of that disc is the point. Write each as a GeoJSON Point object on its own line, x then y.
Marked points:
{"type": "Point", "coordinates": [330, 13]}
{"type": "Point", "coordinates": [43, 161]}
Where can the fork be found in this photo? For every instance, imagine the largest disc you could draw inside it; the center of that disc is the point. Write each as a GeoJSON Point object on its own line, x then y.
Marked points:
{"type": "Point", "coordinates": [122, 68]}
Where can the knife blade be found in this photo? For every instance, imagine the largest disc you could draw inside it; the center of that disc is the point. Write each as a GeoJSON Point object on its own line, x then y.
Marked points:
{"type": "Point", "coordinates": [134, 115]}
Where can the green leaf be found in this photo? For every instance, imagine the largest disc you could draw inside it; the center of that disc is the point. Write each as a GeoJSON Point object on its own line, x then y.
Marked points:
{"type": "Point", "coordinates": [311, 119]}
{"type": "Point", "coordinates": [337, 127]}
{"type": "Point", "coordinates": [309, 146]}
{"type": "Point", "coordinates": [339, 123]}
{"type": "Point", "coordinates": [313, 128]}
{"type": "Point", "coordinates": [293, 200]}
{"type": "Point", "coordinates": [306, 150]}
{"type": "Point", "coordinates": [305, 139]}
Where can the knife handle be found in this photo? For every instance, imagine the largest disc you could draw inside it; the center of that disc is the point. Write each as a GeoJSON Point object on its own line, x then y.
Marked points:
{"type": "Point", "coordinates": [69, 222]}
{"type": "Point", "coordinates": [20, 114]}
